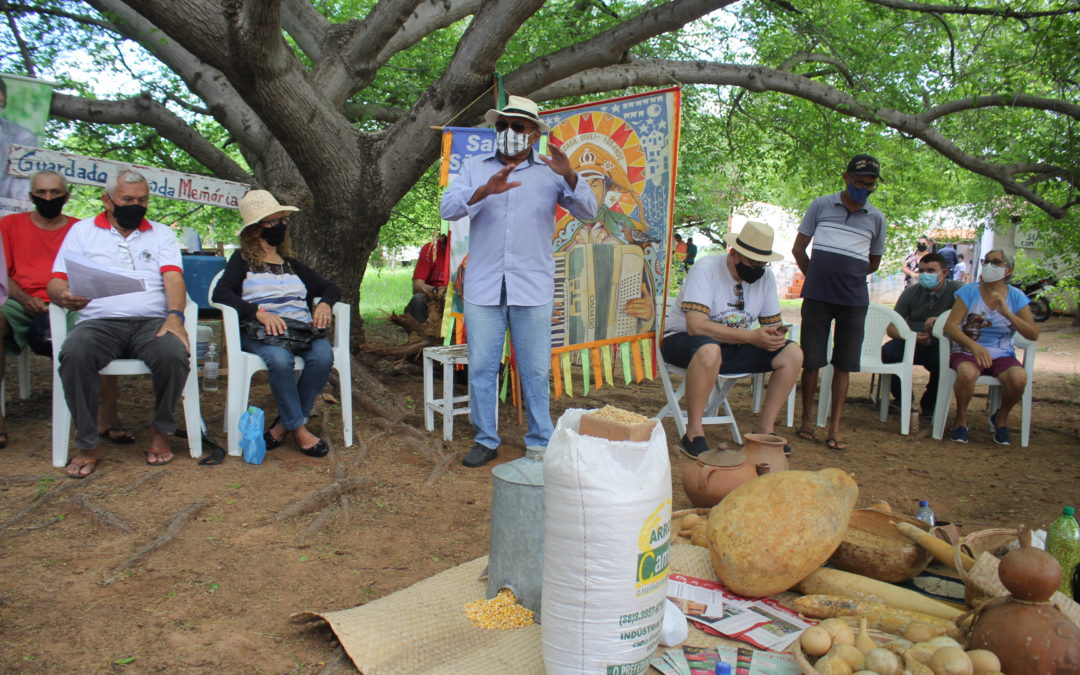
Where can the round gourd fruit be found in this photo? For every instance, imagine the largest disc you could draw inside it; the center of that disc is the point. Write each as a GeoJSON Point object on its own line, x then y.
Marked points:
{"type": "Point", "coordinates": [984, 661]}
{"type": "Point", "coordinates": [1030, 574]}
{"type": "Point", "coordinates": [950, 661]}
{"type": "Point", "coordinates": [816, 641]}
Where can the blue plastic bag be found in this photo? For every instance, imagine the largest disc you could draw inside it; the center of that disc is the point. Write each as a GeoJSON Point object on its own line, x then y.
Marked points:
{"type": "Point", "coordinates": [252, 442]}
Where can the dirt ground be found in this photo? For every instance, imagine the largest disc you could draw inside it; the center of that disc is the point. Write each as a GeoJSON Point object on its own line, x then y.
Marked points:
{"type": "Point", "coordinates": [217, 597]}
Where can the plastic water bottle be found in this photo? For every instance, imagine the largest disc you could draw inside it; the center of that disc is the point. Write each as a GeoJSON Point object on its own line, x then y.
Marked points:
{"type": "Point", "coordinates": [723, 669]}
{"type": "Point", "coordinates": [210, 369]}
{"type": "Point", "coordinates": [925, 513]}
{"type": "Point", "coordinates": [1063, 542]}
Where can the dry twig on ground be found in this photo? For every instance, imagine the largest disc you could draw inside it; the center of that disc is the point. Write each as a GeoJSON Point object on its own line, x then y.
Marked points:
{"type": "Point", "coordinates": [24, 478]}
{"type": "Point", "coordinates": [46, 498]}
{"type": "Point", "coordinates": [102, 515]}
{"type": "Point", "coordinates": [173, 528]}
{"type": "Point", "coordinates": [142, 480]}
{"type": "Point", "coordinates": [317, 499]}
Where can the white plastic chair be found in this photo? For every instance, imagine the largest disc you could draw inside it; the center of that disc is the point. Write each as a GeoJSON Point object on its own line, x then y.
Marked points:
{"type": "Point", "coordinates": [947, 378]}
{"type": "Point", "coordinates": [61, 424]}
{"type": "Point", "coordinates": [243, 365]}
{"type": "Point", "coordinates": [878, 318]}
{"type": "Point", "coordinates": [718, 396]}
{"type": "Point", "coordinates": [24, 380]}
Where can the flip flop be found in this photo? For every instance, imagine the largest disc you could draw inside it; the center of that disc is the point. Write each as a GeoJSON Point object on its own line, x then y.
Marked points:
{"type": "Point", "coordinates": [158, 454]}
{"type": "Point", "coordinates": [80, 475]}
{"type": "Point", "coordinates": [807, 435]}
{"type": "Point", "coordinates": [125, 438]}
{"type": "Point", "coordinates": [833, 444]}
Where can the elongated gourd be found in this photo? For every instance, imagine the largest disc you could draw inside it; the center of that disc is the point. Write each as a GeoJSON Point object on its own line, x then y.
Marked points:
{"type": "Point", "coordinates": [941, 550]}
{"type": "Point", "coordinates": [826, 581]}
{"type": "Point", "coordinates": [827, 606]}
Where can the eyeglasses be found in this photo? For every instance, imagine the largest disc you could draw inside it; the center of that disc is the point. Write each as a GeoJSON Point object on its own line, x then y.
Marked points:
{"type": "Point", "coordinates": [274, 222]}
{"type": "Point", "coordinates": [867, 185]}
{"type": "Point", "coordinates": [754, 263]}
{"type": "Point", "coordinates": [996, 263]}
{"type": "Point", "coordinates": [519, 127]}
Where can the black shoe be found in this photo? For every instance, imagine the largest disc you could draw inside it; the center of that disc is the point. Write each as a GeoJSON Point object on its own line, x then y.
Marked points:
{"type": "Point", "coordinates": [318, 450]}
{"type": "Point", "coordinates": [693, 448]}
{"type": "Point", "coordinates": [272, 442]}
{"type": "Point", "coordinates": [479, 455]}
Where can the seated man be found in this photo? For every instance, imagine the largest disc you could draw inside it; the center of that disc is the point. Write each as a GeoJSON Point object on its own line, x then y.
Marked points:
{"type": "Point", "coordinates": [708, 330]}
{"type": "Point", "coordinates": [429, 278]}
{"type": "Point", "coordinates": [31, 240]}
{"type": "Point", "coordinates": [147, 325]}
{"type": "Point", "coordinates": [919, 305]}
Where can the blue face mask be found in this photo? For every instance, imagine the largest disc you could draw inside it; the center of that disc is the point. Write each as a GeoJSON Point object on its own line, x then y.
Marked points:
{"type": "Point", "coordinates": [858, 195]}
{"type": "Point", "coordinates": [929, 280]}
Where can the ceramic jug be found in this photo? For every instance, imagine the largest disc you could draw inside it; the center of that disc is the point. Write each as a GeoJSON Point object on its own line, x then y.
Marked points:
{"type": "Point", "coordinates": [767, 448]}
{"type": "Point", "coordinates": [714, 474]}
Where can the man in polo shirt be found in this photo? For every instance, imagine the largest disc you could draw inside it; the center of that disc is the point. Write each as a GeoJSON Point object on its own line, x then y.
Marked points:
{"type": "Point", "coordinates": [31, 240]}
{"type": "Point", "coordinates": [147, 325]}
{"type": "Point", "coordinates": [429, 278]}
{"type": "Point", "coordinates": [919, 305]}
{"type": "Point", "coordinates": [849, 238]}
{"type": "Point", "coordinates": [709, 329]}
{"type": "Point", "coordinates": [510, 200]}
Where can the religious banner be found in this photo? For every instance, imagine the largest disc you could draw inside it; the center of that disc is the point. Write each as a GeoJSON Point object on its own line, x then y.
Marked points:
{"type": "Point", "coordinates": [24, 110]}
{"type": "Point", "coordinates": [26, 161]}
{"type": "Point", "coordinates": [609, 270]}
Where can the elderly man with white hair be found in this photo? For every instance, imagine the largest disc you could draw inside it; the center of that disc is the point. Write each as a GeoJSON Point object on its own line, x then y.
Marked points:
{"type": "Point", "coordinates": [147, 325]}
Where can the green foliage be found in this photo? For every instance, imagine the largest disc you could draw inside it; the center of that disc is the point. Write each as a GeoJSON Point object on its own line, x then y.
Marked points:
{"type": "Point", "coordinates": [383, 291]}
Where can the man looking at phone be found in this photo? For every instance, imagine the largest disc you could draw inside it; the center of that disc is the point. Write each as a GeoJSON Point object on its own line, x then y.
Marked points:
{"type": "Point", "coordinates": [709, 330]}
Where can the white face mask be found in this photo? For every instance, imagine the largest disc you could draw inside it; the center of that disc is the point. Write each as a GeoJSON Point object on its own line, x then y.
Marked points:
{"type": "Point", "coordinates": [990, 273]}
{"type": "Point", "coordinates": [510, 142]}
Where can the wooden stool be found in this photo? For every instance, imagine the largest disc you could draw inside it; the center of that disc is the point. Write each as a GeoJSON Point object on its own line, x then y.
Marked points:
{"type": "Point", "coordinates": [446, 406]}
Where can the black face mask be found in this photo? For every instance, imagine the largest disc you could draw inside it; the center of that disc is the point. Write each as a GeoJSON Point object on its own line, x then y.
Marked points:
{"type": "Point", "coordinates": [49, 208]}
{"type": "Point", "coordinates": [749, 274]}
{"type": "Point", "coordinates": [129, 217]}
{"type": "Point", "coordinates": [274, 235]}
{"type": "Point", "coordinates": [921, 246]}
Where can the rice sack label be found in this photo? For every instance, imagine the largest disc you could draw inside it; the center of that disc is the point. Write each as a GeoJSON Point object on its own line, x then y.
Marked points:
{"type": "Point", "coordinates": [653, 546]}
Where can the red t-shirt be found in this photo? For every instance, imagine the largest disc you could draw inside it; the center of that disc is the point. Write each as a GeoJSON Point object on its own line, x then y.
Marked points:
{"type": "Point", "coordinates": [30, 251]}
{"type": "Point", "coordinates": [433, 269]}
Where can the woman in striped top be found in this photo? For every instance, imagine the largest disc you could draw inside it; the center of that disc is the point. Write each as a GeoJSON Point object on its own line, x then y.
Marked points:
{"type": "Point", "coordinates": [263, 281]}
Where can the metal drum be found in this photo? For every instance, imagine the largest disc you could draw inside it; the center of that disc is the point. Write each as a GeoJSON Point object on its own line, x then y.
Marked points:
{"type": "Point", "coordinates": [517, 529]}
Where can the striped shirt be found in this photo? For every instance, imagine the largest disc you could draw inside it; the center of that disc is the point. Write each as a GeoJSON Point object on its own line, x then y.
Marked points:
{"type": "Point", "coordinates": [278, 290]}
{"type": "Point", "coordinates": [843, 243]}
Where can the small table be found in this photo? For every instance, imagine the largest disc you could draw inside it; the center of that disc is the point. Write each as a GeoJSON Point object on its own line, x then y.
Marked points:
{"type": "Point", "coordinates": [449, 356]}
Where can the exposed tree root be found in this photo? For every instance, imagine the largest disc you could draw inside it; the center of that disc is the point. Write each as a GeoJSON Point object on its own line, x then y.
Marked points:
{"type": "Point", "coordinates": [317, 499]}
{"type": "Point", "coordinates": [46, 498]}
{"type": "Point", "coordinates": [142, 480]}
{"type": "Point", "coordinates": [173, 528]}
{"type": "Point", "coordinates": [101, 515]}
{"type": "Point", "coordinates": [317, 524]}
{"type": "Point", "coordinates": [24, 478]}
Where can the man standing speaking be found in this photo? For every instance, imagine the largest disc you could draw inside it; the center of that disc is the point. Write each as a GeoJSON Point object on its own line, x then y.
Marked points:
{"type": "Point", "coordinates": [510, 200]}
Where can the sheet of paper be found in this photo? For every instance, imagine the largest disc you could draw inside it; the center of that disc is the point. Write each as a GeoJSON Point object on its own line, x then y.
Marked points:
{"type": "Point", "coordinates": [91, 280]}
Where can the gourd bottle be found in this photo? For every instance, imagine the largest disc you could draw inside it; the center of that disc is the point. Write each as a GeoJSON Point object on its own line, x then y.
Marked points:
{"type": "Point", "coordinates": [1063, 542]}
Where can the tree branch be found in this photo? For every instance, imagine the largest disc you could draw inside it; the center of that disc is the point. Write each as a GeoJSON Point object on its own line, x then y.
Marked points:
{"type": "Point", "coordinates": [372, 111]}
{"type": "Point", "coordinates": [48, 11]}
{"type": "Point", "coordinates": [28, 60]}
{"type": "Point", "coordinates": [655, 72]}
{"type": "Point", "coordinates": [1003, 12]}
{"type": "Point", "coordinates": [1002, 101]}
{"type": "Point", "coordinates": [306, 25]}
{"type": "Point", "coordinates": [429, 16]}
{"type": "Point", "coordinates": [144, 110]}
{"type": "Point", "coordinates": [810, 57]}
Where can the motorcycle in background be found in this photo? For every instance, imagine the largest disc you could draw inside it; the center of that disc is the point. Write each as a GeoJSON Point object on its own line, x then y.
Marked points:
{"type": "Point", "coordinates": [1040, 306]}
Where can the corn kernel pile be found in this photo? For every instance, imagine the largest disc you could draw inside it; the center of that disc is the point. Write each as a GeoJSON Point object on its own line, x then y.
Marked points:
{"type": "Point", "coordinates": [499, 613]}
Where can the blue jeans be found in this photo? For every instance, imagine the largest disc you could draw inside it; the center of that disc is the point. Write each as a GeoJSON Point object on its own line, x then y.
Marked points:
{"type": "Point", "coordinates": [294, 397]}
{"type": "Point", "coordinates": [530, 333]}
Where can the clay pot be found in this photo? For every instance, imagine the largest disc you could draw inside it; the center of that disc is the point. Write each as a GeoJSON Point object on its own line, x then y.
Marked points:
{"type": "Point", "coordinates": [766, 448]}
{"type": "Point", "coordinates": [873, 547]}
{"type": "Point", "coordinates": [714, 474]}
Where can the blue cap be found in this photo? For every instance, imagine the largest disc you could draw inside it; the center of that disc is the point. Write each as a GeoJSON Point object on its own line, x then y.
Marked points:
{"type": "Point", "coordinates": [923, 502]}
{"type": "Point", "coordinates": [723, 669]}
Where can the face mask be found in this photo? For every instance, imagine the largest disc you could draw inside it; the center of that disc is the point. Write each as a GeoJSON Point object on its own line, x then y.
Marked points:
{"type": "Point", "coordinates": [921, 246]}
{"type": "Point", "coordinates": [510, 142]}
{"type": "Point", "coordinates": [274, 235]}
{"type": "Point", "coordinates": [929, 280]}
{"type": "Point", "coordinates": [858, 195]}
{"type": "Point", "coordinates": [749, 274]}
{"type": "Point", "coordinates": [991, 273]}
{"type": "Point", "coordinates": [49, 208]}
{"type": "Point", "coordinates": [129, 217]}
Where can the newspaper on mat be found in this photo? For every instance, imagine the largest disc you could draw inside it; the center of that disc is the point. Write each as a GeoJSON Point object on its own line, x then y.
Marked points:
{"type": "Point", "coordinates": [91, 280]}
{"type": "Point", "coordinates": [761, 622]}
{"type": "Point", "coordinates": [743, 661]}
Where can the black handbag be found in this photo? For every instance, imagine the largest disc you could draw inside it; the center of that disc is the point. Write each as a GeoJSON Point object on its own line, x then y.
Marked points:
{"type": "Point", "coordinates": [297, 337]}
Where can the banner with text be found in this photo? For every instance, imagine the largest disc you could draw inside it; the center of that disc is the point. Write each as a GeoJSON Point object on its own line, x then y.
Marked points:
{"type": "Point", "coordinates": [26, 161]}
{"type": "Point", "coordinates": [24, 110]}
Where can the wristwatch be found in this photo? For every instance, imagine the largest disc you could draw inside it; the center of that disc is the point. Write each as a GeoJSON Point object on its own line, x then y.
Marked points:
{"type": "Point", "coordinates": [177, 313]}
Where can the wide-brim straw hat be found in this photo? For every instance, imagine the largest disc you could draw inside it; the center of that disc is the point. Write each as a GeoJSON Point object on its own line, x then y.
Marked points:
{"type": "Point", "coordinates": [518, 106]}
{"type": "Point", "coordinates": [754, 241]}
{"type": "Point", "coordinates": [258, 204]}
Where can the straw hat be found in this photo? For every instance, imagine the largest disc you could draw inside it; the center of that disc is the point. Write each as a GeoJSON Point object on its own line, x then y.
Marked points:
{"type": "Point", "coordinates": [258, 204]}
{"type": "Point", "coordinates": [518, 106]}
{"type": "Point", "coordinates": [754, 241]}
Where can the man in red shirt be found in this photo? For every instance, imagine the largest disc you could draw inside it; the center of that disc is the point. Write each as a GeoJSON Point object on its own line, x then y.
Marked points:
{"type": "Point", "coordinates": [429, 278]}
{"type": "Point", "coordinates": [31, 240]}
